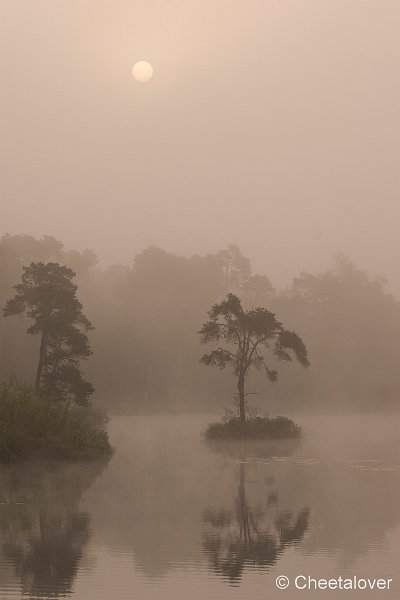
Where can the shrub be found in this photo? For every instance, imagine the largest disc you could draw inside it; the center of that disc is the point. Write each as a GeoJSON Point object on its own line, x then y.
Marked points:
{"type": "Point", "coordinates": [253, 428]}
{"type": "Point", "coordinates": [35, 426]}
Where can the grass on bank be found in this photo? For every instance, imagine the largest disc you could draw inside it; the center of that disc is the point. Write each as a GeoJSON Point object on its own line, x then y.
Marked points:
{"type": "Point", "coordinates": [254, 428]}
{"type": "Point", "coordinates": [33, 426]}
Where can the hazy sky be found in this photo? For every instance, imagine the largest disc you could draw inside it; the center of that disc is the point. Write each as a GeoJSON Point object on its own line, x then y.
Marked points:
{"type": "Point", "coordinates": [273, 124]}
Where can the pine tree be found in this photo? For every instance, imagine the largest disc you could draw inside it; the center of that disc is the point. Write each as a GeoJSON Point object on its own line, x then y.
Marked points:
{"type": "Point", "coordinates": [247, 333]}
{"type": "Point", "coordinates": [47, 295]}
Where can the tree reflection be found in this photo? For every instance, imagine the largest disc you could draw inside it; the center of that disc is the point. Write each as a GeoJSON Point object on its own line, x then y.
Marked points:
{"type": "Point", "coordinates": [42, 526]}
{"type": "Point", "coordinates": [250, 535]}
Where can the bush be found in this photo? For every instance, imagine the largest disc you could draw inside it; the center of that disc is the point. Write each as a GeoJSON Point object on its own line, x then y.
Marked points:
{"type": "Point", "coordinates": [253, 428]}
{"type": "Point", "coordinates": [35, 426]}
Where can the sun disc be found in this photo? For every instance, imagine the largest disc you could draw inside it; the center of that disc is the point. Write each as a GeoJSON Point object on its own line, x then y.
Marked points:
{"type": "Point", "coordinates": [142, 71]}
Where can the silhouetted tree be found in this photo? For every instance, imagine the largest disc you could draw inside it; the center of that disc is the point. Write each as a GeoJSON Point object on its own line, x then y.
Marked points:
{"type": "Point", "coordinates": [47, 295]}
{"type": "Point", "coordinates": [29, 249]}
{"type": "Point", "coordinates": [258, 286]}
{"type": "Point", "coordinates": [247, 332]}
{"type": "Point", "coordinates": [236, 267]}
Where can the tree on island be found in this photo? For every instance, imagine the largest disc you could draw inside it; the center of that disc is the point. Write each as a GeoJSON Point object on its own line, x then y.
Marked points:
{"type": "Point", "coordinates": [248, 333]}
{"type": "Point", "coordinates": [47, 295]}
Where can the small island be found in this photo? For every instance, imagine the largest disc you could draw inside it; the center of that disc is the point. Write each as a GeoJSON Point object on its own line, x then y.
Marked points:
{"type": "Point", "coordinates": [245, 334]}
{"type": "Point", "coordinates": [253, 428]}
{"type": "Point", "coordinates": [52, 419]}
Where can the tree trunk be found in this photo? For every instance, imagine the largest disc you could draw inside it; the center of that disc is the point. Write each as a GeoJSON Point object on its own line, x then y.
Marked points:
{"type": "Point", "coordinates": [240, 387]}
{"type": "Point", "coordinates": [42, 359]}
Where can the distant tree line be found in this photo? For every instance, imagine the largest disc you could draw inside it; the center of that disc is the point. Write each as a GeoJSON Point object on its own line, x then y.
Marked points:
{"type": "Point", "coordinates": [146, 354]}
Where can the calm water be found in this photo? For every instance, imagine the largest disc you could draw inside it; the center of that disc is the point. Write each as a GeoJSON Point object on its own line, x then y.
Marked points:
{"type": "Point", "coordinates": [174, 517]}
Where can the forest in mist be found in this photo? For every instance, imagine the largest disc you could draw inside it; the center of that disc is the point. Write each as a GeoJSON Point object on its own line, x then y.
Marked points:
{"type": "Point", "coordinates": [146, 315]}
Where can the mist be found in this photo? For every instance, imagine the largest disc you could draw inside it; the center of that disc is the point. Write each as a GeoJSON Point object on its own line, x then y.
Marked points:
{"type": "Point", "coordinates": [147, 315]}
{"type": "Point", "coordinates": [270, 125]}
{"type": "Point", "coordinates": [199, 298]}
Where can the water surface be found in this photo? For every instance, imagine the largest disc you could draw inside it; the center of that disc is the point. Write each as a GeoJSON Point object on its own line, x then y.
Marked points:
{"type": "Point", "coordinates": [172, 516]}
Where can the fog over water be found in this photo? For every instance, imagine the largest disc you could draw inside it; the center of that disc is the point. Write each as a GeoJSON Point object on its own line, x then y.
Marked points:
{"type": "Point", "coordinates": [272, 125]}
{"type": "Point", "coordinates": [173, 516]}
{"type": "Point", "coordinates": [249, 188]}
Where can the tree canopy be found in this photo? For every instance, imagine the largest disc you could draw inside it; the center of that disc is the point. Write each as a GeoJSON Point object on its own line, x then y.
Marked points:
{"type": "Point", "coordinates": [47, 295]}
{"type": "Point", "coordinates": [248, 334]}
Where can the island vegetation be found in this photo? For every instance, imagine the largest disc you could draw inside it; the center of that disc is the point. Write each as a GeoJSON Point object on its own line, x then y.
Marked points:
{"type": "Point", "coordinates": [246, 334]}
{"type": "Point", "coordinates": [36, 425]}
{"type": "Point", "coordinates": [53, 418]}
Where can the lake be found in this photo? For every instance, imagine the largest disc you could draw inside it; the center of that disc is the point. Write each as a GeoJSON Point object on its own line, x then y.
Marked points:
{"type": "Point", "coordinates": [172, 516]}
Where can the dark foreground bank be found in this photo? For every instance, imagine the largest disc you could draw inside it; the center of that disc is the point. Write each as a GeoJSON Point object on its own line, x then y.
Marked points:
{"type": "Point", "coordinates": [34, 426]}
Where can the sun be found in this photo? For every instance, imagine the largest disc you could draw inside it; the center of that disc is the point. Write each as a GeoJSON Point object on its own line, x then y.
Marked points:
{"type": "Point", "coordinates": [142, 71]}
